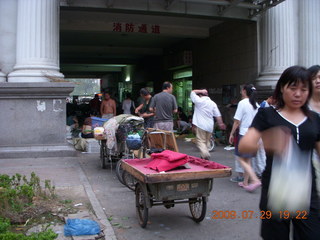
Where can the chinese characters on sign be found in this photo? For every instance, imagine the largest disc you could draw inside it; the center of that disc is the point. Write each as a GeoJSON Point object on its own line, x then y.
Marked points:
{"type": "Point", "coordinates": [140, 28]}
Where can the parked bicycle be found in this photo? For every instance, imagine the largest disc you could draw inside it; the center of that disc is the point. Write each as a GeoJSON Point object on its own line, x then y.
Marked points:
{"type": "Point", "coordinates": [138, 145]}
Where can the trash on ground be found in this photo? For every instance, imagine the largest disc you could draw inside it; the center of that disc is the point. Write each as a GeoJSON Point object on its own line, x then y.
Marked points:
{"type": "Point", "coordinates": [78, 227]}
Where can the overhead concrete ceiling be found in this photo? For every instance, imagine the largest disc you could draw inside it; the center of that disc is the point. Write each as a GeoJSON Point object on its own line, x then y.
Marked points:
{"type": "Point", "coordinates": [87, 38]}
{"type": "Point", "coordinates": [90, 42]}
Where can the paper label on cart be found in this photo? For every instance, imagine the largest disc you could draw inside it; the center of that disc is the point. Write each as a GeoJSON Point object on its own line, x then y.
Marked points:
{"type": "Point", "coordinates": [183, 187]}
{"type": "Point", "coordinates": [194, 185]}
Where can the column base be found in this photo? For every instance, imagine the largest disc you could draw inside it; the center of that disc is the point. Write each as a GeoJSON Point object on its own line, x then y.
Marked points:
{"type": "Point", "coordinates": [264, 92]}
{"type": "Point", "coordinates": [266, 84]}
{"type": "Point", "coordinates": [2, 77]}
{"type": "Point", "coordinates": [270, 79]}
{"type": "Point", "coordinates": [35, 76]}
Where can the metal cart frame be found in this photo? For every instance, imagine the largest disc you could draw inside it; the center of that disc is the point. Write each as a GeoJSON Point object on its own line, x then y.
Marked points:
{"type": "Point", "coordinates": [170, 188]}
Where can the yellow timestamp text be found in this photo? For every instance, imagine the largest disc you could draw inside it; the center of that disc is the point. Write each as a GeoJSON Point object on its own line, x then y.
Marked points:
{"type": "Point", "coordinates": [250, 214]}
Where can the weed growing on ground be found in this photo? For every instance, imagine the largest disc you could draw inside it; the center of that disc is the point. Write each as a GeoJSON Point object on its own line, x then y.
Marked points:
{"type": "Point", "coordinates": [20, 198]}
{"type": "Point", "coordinates": [6, 235]}
{"type": "Point", "coordinates": [25, 203]}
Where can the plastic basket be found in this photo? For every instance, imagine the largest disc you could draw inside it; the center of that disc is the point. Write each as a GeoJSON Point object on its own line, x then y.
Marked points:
{"type": "Point", "coordinates": [133, 142]}
{"type": "Point", "coordinates": [97, 122]}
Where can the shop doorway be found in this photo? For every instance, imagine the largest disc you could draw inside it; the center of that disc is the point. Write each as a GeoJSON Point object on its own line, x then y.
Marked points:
{"type": "Point", "coordinates": [182, 86]}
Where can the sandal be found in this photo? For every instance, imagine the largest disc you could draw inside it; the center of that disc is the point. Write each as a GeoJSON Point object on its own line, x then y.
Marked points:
{"type": "Point", "coordinates": [252, 187]}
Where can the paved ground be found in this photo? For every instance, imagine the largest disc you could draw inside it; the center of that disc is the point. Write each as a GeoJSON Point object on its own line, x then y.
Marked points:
{"type": "Point", "coordinates": [82, 177]}
{"type": "Point", "coordinates": [69, 179]}
{"type": "Point", "coordinates": [176, 223]}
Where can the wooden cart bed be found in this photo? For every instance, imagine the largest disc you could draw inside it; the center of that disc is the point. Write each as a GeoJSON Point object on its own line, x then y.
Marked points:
{"type": "Point", "coordinates": [136, 167]}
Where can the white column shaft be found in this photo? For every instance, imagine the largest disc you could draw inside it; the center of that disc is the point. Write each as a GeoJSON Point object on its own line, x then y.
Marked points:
{"type": "Point", "coordinates": [309, 22]}
{"type": "Point", "coordinates": [37, 41]}
{"type": "Point", "coordinates": [278, 42]}
{"type": "Point", "coordinates": [8, 29]}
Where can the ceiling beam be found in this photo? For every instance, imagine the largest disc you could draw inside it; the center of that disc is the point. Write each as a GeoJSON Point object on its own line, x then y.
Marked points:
{"type": "Point", "coordinates": [90, 68]}
{"type": "Point", "coordinates": [103, 50]}
{"type": "Point", "coordinates": [224, 3]}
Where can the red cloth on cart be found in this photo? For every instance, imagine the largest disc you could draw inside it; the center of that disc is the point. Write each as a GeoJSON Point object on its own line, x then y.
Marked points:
{"type": "Point", "coordinates": [169, 155]}
{"type": "Point", "coordinates": [167, 160]}
{"type": "Point", "coordinates": [206, 163]}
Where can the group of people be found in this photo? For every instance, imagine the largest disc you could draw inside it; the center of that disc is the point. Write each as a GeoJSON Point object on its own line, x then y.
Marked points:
{"type": "Point", "coordinates": [159, 112]}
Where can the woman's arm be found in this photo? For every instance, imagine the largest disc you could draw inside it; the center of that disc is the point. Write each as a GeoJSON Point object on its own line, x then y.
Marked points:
{"type": "Point", "coordinates": [275, 140]}
{"type": "Point", "coordinates": [235, 125]}
{"type": "Point", "coordinates": [249, 142]}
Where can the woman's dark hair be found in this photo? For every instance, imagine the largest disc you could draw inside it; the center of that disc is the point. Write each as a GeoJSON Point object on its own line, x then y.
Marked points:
{"type": "Point", "coordinates": [144, 92]}
{"type": "Point", "coordinates": [313, 70]}
{"type": "Point", "coordinates": [293, 76]}
{"type": "Point", "coordinates": [166, 85]}
{"type": "Point", "coordinates": [128, 95]}
{"type": "Point", "coordinates": [251, 93]}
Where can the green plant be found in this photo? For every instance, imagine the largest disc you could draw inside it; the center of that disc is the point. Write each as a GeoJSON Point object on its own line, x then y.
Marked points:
{"type": "Point", "coordinates": [46, 235]}
{"type": "Point", "coordinates": [67, 201]}
{"type": "Point", "coordinates": [4, 225]}
{"type": "Point", "coordinates": [18, 195]}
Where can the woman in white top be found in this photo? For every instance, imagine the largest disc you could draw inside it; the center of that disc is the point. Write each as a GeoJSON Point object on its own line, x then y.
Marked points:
{"type": "Point", "coordinates": [127, 104]}
{"type": "Point", "coordinates": [246, 111]}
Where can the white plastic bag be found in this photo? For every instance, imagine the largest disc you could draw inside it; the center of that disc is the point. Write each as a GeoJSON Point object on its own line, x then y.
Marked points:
{"type": "Point", "coordinates": [290, 183]}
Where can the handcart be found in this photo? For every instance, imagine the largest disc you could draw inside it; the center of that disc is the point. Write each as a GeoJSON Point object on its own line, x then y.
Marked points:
{"type": "Point", "coordinates": [152, 140]}
{"type": "Point", "coordinates": [191, 186]}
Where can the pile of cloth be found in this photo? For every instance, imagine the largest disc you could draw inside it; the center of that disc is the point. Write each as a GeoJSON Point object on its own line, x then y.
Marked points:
{"type": "Point", "coordinates": [205, 163]}
{"type": "Point", "coordinates": [111, 127]}
{"type": "Point", "coordinates": [167, 160]}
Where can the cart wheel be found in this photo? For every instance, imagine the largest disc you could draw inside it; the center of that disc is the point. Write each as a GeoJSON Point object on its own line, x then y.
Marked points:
{"type": "Point", "coordinates": [198, 208]}
{"type": "Point", "coordinates": [129, 180]}
{"type": "Point", "coordinates": [119, 171]}
{"type": "Point", "coordinates": [103, 153]}
{"type": "Point", "coordinates": [141, 208]}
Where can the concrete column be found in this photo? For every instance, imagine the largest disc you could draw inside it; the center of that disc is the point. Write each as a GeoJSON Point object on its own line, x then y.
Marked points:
{"type": "Point", "coordinates": [278, 46]}
{"type": "Point", "coordinates": [8, 29]}
{"type": "Point", "coordinates": [309, 22]}
{"type": "Point", "coordinates": [37, 41]}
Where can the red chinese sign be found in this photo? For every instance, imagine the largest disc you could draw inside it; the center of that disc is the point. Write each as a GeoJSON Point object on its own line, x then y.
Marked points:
{"type": "Point", "coordinates": [140, 28]}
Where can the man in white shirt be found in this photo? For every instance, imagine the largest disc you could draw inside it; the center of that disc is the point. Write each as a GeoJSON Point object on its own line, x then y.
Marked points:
{"type": "Point", "coordinates": [204, 112]}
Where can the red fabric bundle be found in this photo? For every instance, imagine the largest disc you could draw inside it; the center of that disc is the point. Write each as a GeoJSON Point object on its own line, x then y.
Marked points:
{"type": "Point", "coordinates": [206, 163]}
{"type": "Point", "coordinates": [167, 160]}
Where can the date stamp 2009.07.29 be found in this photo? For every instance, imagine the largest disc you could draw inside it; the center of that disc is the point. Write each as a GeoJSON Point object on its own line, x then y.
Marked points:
{"type": "Point", "coordinates": [249, 214]}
